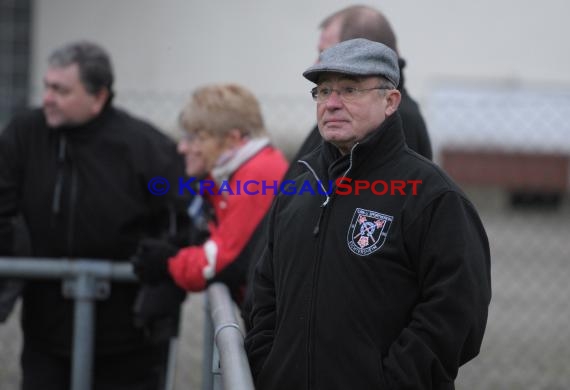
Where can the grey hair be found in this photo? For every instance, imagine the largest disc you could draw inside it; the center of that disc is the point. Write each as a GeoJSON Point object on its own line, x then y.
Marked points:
{"type": "Point", "coordinates": [385, 83]}
{"type": "Point", "coordinates": [95, 69]}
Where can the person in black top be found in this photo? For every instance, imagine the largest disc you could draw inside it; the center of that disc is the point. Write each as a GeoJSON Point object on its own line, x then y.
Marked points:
{"type": "Point", "coordinates": [379, 278]}
{"type": "Point", "coordinates": [357, 21]}
{"type": "Point", "coordinates": [78, 171]}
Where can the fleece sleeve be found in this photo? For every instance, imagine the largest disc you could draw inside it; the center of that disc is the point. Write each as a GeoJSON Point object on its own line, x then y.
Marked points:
{"type": "Point", "coordinates": [449, 247]}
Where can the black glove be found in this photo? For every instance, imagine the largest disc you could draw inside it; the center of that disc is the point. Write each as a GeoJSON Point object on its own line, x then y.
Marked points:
{"type": "Point", "coordinates": [157, 310]}
{"type": "Point", "coordinates": [150, 261]}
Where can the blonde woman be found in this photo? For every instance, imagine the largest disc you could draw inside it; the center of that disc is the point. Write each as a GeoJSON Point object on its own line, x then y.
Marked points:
{"type": "Point", "coordinates": [226, 136]}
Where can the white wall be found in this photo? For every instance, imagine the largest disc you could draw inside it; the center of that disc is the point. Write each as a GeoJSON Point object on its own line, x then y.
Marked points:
{"type": "Point", "coordinates": [178, 44]}
{"type": "Point", "coordinates": [172, 46]}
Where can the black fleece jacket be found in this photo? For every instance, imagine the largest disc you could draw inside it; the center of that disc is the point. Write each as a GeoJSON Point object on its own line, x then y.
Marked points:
{"type": "Point", "coordinates": [83, 193]}
{"type": "Point", "coordinates": [370, 291]}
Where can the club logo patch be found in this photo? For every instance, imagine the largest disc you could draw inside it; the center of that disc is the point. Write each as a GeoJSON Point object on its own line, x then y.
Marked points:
{"type": "Point", "coordinates": [367, 231]}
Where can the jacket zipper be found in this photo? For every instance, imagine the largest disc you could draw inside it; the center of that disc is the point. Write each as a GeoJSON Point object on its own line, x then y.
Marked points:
{"type": "Point", "coordinates": [72, 204]}
{"type": "Point", "coordinates": [316, 268]}
{"type": "Point", "coordinates": [327, 200]}
{"type": "Point", "coordinates": [64, 156]}
{"type": "Point", "coordinates": [317, 227]}
{"type": "Point", "coordinates": [61, 152]}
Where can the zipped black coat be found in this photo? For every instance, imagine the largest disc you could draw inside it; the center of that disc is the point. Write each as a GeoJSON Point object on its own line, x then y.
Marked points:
{"type": "Point", "coordinates": [83, 193]}
{"type": "Point", "coordinates": [370, 291]}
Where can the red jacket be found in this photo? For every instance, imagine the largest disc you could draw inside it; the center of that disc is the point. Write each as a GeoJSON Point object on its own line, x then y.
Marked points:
{"type": "Point", "coordinates": [240, 204]}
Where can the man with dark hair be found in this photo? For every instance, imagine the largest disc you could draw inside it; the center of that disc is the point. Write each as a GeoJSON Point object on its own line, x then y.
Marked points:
{"type": "Point", "coordinates": [359, 21]}
{"type": "Point", "coordinates": [379, 283]}
{"type": "Point", "coordinates": [77, 171]}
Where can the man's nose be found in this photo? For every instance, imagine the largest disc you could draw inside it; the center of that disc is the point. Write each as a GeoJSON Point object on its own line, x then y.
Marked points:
{"type": "Point", "coordinates": [48, 96]}
{"type": "Point", "coordinates": [334, 100]}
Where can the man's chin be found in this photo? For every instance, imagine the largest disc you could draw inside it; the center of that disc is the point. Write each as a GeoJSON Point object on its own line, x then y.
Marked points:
{"type": "Point", "coordinates": [53, 121]}
{"type": "Point", "coordinates": [54, 124]}
{"type": "Point", "coordinates": [58, 123]}
{"type": "Point", "coordinates": [334, 136]}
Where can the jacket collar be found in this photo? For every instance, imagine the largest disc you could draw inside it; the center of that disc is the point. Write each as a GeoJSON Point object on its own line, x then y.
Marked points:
{"type": "Point", "coordinates": [377, 149]}
{"type": "Point", "coordinates": [233, 161]}
{"type": "Point", "coordinates": [87, 128]}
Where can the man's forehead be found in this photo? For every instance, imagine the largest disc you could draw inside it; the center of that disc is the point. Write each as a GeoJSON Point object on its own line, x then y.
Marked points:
{"type": "Point", "coordinates": [62, 73]}
{"type": "Point", "coordinates": [330, 34]}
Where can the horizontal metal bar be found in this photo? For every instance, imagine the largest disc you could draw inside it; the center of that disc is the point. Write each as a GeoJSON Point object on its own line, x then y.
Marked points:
{"type": "Point", "coordinates": [52, 268]}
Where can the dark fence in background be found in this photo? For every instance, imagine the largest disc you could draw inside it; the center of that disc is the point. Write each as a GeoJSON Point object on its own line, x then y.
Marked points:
{"type": "Point", "coordinates": [509, 147]}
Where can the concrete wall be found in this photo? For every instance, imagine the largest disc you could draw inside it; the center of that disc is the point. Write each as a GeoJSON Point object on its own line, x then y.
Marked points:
{"type": "Point", "coordinates": [168, 47]}
{"type": "Point", "coordinates": [178, 44]}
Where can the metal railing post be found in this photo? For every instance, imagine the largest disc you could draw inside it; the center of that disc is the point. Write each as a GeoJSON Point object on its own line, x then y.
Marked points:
{"type": "Point", "coordinates": [83, 331]}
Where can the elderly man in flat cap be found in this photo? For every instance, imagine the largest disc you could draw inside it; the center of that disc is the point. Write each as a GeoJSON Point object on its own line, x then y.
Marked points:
{"type": "Point", "coordinates": [381, 279]}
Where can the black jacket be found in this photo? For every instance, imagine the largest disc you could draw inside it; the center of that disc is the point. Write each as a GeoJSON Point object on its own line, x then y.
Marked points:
{"type": "Point", "coordinates": [370, 291]}
{"type": "Point", "coordinates": [415, 134]}
{"type": "Point", "coordinates": [83, 193]}
{"type": "Point", "coordinates": [414, 126]}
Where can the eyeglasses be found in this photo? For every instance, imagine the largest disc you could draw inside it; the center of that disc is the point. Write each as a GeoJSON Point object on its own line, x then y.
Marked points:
{"type": "Point", "coordinates": [347, 93]}
{"type": "Point", "coordinates": [188, 137]}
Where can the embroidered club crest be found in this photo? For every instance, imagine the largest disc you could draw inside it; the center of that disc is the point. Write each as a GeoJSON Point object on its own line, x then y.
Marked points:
{"type": "Point", "coordinates": [367, 231]}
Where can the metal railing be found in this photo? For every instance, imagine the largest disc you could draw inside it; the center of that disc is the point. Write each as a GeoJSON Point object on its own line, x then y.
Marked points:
{"type": "Point", "coordinates": [84, 281]}
{"type": "Point", "coordinates": [225, 364]}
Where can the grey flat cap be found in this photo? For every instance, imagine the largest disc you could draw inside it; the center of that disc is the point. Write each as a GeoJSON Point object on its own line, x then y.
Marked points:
{"type": "Point", "coordinates": [357, 57]}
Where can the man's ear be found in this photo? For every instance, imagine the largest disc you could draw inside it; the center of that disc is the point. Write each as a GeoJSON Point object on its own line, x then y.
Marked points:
{"type": "Point", "coordinates": [393, 98]}
{"type": "Point", "coordinates": [100, 98]}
